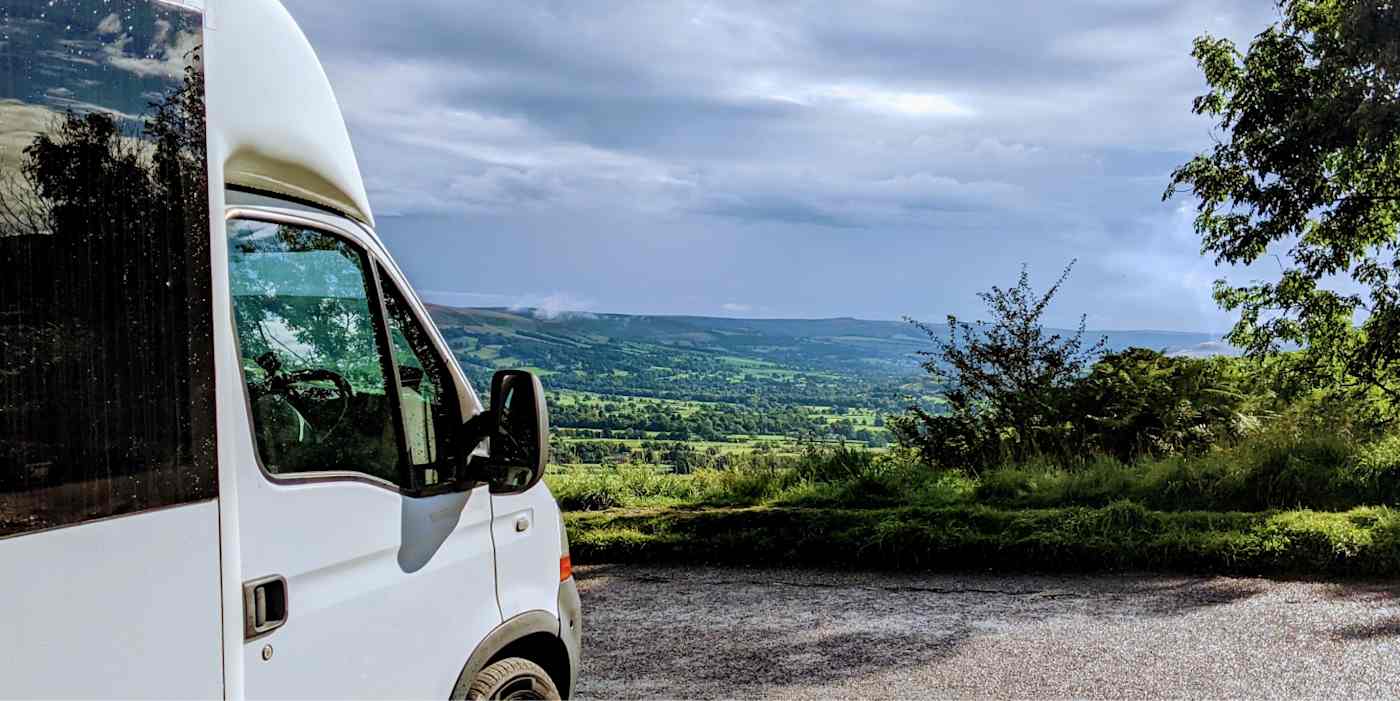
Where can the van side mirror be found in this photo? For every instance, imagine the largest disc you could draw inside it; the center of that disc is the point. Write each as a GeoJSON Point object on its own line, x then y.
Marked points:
{"type": "Point", "coordinates": [517, 426]}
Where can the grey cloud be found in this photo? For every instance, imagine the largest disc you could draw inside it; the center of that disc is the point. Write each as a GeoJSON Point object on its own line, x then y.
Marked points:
{"type": "Point", "coordinates": [777, 208]}
{"type": "Point", "coordinates": [844, 202]}
{"type": "Point", "coordinates": [990, 133]}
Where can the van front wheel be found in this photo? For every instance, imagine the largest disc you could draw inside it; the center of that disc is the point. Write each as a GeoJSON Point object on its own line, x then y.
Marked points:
{"type": "Point", "coordinates": [513, 678]}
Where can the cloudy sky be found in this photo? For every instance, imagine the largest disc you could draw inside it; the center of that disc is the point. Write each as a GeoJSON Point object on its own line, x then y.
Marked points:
{"type": "Point", "coordinates": [797, 159]}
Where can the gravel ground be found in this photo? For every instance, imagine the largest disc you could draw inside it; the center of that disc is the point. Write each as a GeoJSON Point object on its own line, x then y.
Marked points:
{"type": "Point", "coordinates": [725, 632]}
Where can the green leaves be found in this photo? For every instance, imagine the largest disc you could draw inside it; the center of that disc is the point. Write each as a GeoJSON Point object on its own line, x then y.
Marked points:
{"type": "Point", "coordinates": [1309, 172]}
{"type": "Point", "coordinates": [1008, 383]}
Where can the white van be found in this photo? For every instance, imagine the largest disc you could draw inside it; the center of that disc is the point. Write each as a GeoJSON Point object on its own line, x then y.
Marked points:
{"type": "Point", "coordinates": [236, 457]}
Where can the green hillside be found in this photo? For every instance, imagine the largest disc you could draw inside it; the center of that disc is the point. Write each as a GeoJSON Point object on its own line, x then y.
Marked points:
{"type": "Point", "coordinates": [712, 378]}
{"type": "Point", "coordinates": [571, 344]}
{"type": "Point", "coordinates": [842, 362]}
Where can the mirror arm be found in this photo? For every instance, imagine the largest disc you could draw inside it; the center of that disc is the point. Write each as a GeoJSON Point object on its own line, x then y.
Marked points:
{"type": "Point", "coordinates": [476, 429]}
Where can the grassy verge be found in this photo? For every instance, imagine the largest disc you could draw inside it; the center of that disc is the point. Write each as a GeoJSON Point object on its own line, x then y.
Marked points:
{"type": "Point", "coordinates": [1120, 536]}
{"type": "Point", "coordinates": [1269, 472]}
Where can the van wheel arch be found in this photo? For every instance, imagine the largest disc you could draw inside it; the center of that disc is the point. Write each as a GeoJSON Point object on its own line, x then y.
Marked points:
{"type": "Point", "coordinates": [533, 635]}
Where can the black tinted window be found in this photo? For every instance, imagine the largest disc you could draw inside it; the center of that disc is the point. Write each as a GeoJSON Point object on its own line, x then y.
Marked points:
{"type": "Point", "coordinates": [106, 391]}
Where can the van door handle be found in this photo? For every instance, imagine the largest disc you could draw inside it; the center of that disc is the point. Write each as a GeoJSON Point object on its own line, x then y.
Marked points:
{"type": "Point", "coordinates": [264, 606]}
{"type": "Point", "coordinates": [522, 524]}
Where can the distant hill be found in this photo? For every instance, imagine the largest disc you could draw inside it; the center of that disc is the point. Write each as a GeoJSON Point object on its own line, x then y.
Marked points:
{"type": "Point", "coordinates": [723, 359]}
{"type": "Point", "coordinates": [857, 340]}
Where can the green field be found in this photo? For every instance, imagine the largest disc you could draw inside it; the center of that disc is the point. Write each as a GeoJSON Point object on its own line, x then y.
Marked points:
{"type": "Point", "coordinates": [721, 387]}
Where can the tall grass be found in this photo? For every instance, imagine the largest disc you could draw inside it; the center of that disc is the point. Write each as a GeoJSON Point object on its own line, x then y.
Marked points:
{"type": "Point", "coordinates": [1273, 470]}
{"type": "Point", "coordinates": [1296, 496]}
{"type": "Point", "coordinates": [1120, 536]}
{"type": "Point", "coordinates": [1288, 466]}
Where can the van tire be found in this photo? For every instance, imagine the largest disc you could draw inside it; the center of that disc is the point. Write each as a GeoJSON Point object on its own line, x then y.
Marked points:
{"type": "Point", "coordinates": [513, 678]}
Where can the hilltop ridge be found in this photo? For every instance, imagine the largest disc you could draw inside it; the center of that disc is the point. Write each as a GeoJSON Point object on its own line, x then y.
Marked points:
{"type": "Point", "coordinates": [838, 361]}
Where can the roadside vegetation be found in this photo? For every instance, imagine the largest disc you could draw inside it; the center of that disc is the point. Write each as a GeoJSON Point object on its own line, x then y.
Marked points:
{"type": "Point", "coordinates": [1273, 505]}
{"type": "Point", "coordinates": [1050, 450]}
{"type": "Point", "coordinates": [1122, 536]}
{"type": "Point", "coordinates": [1048, 453]}
{"type": "Point", "coordinates": [1269, 472]}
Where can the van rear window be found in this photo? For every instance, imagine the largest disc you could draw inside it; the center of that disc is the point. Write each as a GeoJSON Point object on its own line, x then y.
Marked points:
{"type": "Point", "coordinates": [106, 384]}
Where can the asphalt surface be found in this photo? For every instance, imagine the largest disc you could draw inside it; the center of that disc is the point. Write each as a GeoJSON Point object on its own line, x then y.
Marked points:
{"type": "Point", "coordinates": [666, 632]}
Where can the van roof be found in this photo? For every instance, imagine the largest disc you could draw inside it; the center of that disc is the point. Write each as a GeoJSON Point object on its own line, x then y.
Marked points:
{"type": "Point", "coordinates": [274, 123]}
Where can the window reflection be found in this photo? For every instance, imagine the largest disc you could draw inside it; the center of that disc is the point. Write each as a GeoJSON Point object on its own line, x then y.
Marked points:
{"type": "Point", "coordinates": [311, 352]}
{"type": "Point", "coordinates": [106, 393]}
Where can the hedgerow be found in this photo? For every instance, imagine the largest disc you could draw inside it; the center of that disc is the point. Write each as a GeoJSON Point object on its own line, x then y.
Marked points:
{"type": "Point", "coordinates": [1121, 536]}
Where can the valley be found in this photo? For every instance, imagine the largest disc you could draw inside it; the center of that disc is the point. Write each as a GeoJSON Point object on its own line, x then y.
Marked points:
{"type": "Point", "coordinates": [689, 390]}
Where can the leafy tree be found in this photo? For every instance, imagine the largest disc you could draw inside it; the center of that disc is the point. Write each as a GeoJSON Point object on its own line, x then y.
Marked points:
{"type": "Point", "coordinates": [1309, 171]}
{"type": "Point", "coordinates": [1007, 382]}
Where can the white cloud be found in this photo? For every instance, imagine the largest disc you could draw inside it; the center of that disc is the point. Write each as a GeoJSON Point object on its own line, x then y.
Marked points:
{"type": "Point", "coordinates": [169, 62]}
{"type": "Point", "coordinates": [552, 305]}
{"type": "Point", "coordinates": [162, 33]}
{"type": "Point", "coordinates": [736, 307]}
{"type": "Point", "coordinates": [544, 306]}
{"type": "Point", "coordinates": [909, 104]}
{"type": "Point", "coordinates": [111, 24]}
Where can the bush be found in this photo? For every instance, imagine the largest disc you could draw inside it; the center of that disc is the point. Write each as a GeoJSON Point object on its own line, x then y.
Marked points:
{"type": "Point", "coordinates": [1008, 382]}
{"type": "Point", "coordinates": [822, 464]}
{"type": "Point", "coordinates": [1132, 405]}
{"type": "Point", "coordinates": [1377, 465]}
{"type": "Point", "coordinates": [1139, 402]}
{"type": "Point", "coordinates": [1281, 471]}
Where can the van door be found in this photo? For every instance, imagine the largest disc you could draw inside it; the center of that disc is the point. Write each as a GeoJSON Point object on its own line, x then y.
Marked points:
{"type": "Point", "coordinates": [355, 586]}
{"type": "Point", "coordinates": [109, 550]}
{"type": "Point", "coordinates": [526, 532]}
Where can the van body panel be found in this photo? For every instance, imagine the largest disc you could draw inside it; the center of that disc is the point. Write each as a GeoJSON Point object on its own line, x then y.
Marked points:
{"type": "Point", "coordinates": [571, 627]}
{"type": "Point", "coordinates": [235, 436]}
{"type": "Point", "coordinates": [527, 561]}
{"type": "Point", "coordinates": [125, 607]}
{"type": "Point", "coordinates": [386, 594]}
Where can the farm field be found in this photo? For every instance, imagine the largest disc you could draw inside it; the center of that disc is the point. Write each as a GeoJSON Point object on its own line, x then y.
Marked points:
{"type": "Point", "coordinates": [620, 386]}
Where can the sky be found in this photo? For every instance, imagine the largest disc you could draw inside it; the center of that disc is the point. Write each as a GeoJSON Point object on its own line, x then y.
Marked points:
{"type": "Point", "coordinates": [785, 159]}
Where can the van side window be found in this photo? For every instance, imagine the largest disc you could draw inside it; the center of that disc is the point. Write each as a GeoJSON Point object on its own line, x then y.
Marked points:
{"type": "Point", "coordinates": [426, 395]}
{"type": "Point", "coordinates": [106, 341]}
{"type": "Point", "coordinates": [312, 353]}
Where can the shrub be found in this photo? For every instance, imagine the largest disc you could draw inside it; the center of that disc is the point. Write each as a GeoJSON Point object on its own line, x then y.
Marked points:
{"type": "Point", "coordinates": [1139, 402]}
{"type": "Point", "coordinates": [823, 464]}
{"type": "Point", "coordinates": [1377, 465]}
{"type": "Point", "coordinates": [1287, 470]}
{"type": "Point", "coordinates": [1008, 382]}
